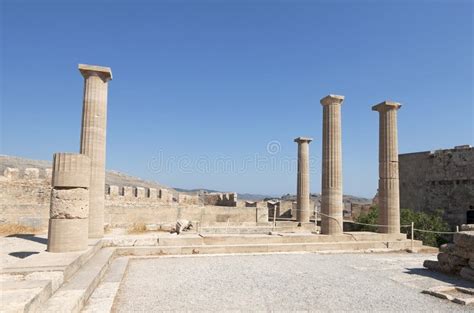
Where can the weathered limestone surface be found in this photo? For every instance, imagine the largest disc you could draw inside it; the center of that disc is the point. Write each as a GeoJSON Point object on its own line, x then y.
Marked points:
{"type": "Point", "coordinates": [331, 196]}
{"type": "Point", "coordinates": [93, 139]}
{"type": "Point", "coordinates": [11, 173]}
{"type": "Point", "coordinates": [70, 203]}
{"type": "Point", "coordinates": [27, 202]}
{"type": "Point", "coordinates": [31, 173]}
{"type": "Point", "coordinates": [69, 210]}
{"type": "Point", "coordinates": [220, 199]}
{"type": "Point", "coordinates": [456, 258]}
{"type": "Point", "coordinates": [388, 194]}
{"type": "Point", "coordinates": [303, 209]}
{"type": "Point", "coordinates": [441, 179]}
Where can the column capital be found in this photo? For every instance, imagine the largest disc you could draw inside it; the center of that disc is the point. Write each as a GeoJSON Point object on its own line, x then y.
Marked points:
{"type": "Point", "coordinates": [386, 106]}
{"type": "Point", "coordinates": [303, 139]}
{"type": "Point", "coordinates": [332, 99]}
{"type": "Point", "coordinates": [105, 73]}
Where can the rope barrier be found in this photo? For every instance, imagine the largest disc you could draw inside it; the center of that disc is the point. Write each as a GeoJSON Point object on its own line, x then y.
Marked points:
{"type": "Point", "coordinates": [433, 231]}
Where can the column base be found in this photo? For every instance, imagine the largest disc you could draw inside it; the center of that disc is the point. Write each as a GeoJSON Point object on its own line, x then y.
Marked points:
{"type": "Point", "coordinates": [67, 235]}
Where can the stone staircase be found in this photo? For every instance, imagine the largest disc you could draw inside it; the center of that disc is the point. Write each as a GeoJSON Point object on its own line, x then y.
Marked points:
{"type": "Point", "coordinates": [42, 285]}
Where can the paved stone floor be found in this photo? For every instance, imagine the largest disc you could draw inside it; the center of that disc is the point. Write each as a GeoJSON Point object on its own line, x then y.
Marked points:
{"type": "Point", "coordinates": [389, 282]}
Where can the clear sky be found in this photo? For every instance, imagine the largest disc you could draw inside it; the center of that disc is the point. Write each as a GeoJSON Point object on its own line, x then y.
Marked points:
{"type": "Point", "coordinates": [212, 93]}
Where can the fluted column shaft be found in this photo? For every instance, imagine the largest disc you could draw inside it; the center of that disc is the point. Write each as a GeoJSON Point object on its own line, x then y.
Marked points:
{"type": "Point", "coordinates": [303, 207]}
{"type": "Point", "coordinates": [331, 195]}
{"type": "Point", "coordinates": [389, 197]}
{"type": "Point", "coordinates": [93, 140]}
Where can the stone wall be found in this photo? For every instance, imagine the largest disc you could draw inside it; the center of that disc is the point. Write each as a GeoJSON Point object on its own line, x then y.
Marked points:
{"type": "Point", "coordinates": [456, 258]}
{"type": "Point", "coordinates": [25, 199]}
{"type": "Point", "coordinates": [221, 199]}
{"type": "Point", "coordinates": [442, 179]}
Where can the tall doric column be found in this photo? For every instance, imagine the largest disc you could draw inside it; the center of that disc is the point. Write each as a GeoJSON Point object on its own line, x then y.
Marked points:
{"type": "Point", "coordinates": [388, 196]}
{"type": "Point", "coordinates": [94, 123]}
{"type": "Point", "coordinates": [331, 197]}
{"type": "Point", "coordinates": [303, 210]}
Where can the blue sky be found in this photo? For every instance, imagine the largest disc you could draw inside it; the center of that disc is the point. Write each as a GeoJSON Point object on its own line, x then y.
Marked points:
{"type": "Point", "coordinates": [203, 89]}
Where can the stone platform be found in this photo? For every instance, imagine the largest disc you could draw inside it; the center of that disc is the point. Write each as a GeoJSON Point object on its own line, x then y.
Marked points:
{"type": "Point", "coordinates": [63, 282]}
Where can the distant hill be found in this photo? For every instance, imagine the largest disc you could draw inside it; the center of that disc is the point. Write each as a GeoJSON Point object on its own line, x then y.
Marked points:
{"type": "Point", "coordinates": [346, 198]}
{"type": "Point", "coordinates": [121, 179]}
{"type": "Point", "coordinates": [111, 177]}
{"type": "Point", "coordinates": [240, 196]}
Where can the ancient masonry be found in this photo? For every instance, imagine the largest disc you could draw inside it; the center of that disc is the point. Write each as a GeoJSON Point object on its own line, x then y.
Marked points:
{"type": "Point", "coordinates": [458, 257]}
{"type": "Point", "coordinates": [388, 194]}
{"type": "Point", "coordinates": [331, 195]}
{"type": "Point", "coordinates": [93, 138]}
{"type": "Point", "coordinates": [303, 210]}
{"type": "Point", "coordinates": [439, 180]}
{"type": "Point", "coordinates": [68, 223]}
{"type": "Point", "coordinates": [25, 199]}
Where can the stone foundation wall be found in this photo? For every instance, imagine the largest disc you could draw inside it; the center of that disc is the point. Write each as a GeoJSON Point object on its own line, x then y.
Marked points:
{"type": "Point", "coordinates": [456, 258]}
{"type": "Point", "coordinates": [442, 179]}
{"type": "Point", "coordinates": [25, 199]}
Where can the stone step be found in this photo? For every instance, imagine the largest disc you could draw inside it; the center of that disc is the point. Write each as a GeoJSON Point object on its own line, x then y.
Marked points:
{"type": "Point", "coordinates": [24, 295]}
{"type": "Point", "coordinates": [296, 238]}
{"type": "Point", "coordinates": [102, 299]}
{"type": "Point", "coordinates": [73, 294]}
{"type": "Point", "coordinates": [232, 239]}
{"type": "Point", "coordinates": [270, 248]}
{"type": "Point", "coordinates": [66, 263]}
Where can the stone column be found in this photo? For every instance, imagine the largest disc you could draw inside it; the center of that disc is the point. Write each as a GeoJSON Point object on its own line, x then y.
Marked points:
{"type": "Point", "coordinates": [331, 195]}
{"type": "Point", "coordinates": [93, 133]}
{"type": "Point", "coordinates": [388, 195]}
{"type": "Point", "coordinates": [303, 210]}
{"type": "Point", "coordinates": [69, 210]}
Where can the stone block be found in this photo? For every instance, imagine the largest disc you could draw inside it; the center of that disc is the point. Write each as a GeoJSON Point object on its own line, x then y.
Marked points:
{"type": "Point", "coordinates": [139, 192]}
{"type": "Point", "coordinates": [11, 173]}
{"type": "Point", "coordinates": [113, 191]}
{"type": "Point", "coordinates": [152, 193]}
{"type": "Point", "coordinates": [127, 191]}
{"type": "Point", "coordinates": [465, 239]}
{"type": "Point", "coordinates": [152, 227]}
{"type": "Point", "coordinates": [463, 252]}
{"type": "Point", "coordinates": [467, 273]}
{"type": "Point", "coordinates": [48, 174]}
{"type": "Point", "coordinates": [467, 227]}
{"type": "Point", "coordinates": [447, 248]}
{"type": "Point", "coordinates": [72, 203]}
{"type": "Point", "coordinates": [71, 170]}
{"type": "Point", "coordinates": [31, 173]}
{"type": "Point", "coordinates": [67, 235]}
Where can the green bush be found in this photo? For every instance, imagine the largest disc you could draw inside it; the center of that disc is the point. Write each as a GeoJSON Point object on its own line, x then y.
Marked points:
{"type": "Point", "coordinates": [422, 220]}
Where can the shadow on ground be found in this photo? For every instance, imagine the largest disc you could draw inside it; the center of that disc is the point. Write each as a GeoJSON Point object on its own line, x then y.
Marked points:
{"type": "Point", "coordinates": [22, 254]}
{"type": "Point", "coordinates": [454, 280]}
{"type": "Point", "coordinates": [30, 237]}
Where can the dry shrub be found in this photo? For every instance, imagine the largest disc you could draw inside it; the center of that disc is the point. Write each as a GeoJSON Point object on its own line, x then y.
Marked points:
{"type": "Point", "coordinates": [12, 229]}
{"type": "Point", "coordinates": [136, 228]}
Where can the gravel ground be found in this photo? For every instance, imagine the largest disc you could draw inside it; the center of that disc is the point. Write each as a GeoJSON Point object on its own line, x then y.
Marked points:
{"type": "Point", "coordinates": [284, 282]}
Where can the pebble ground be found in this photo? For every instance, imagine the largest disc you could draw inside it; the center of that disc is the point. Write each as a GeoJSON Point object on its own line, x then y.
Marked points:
{"type": "Point", "coordinates": [285, 282]}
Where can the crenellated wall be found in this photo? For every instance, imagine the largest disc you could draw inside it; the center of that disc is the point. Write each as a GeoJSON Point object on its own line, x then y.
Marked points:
{"type": "Point", "coordinates": [221, 199]}
{"type": "Point", "coordinates": [25, 199]}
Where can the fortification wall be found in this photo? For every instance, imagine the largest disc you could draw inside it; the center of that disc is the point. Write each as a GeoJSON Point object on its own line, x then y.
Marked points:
{"type": "Point", "coordinates": [220, 199]}
{"type": "Point", "coordinates": [442, 179]}
{"type": "Point", "coordinates": [25, 200]}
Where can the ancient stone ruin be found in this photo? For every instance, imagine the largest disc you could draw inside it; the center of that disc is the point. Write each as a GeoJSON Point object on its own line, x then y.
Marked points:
{"type": "Point", "coordinates": [458, 257]}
